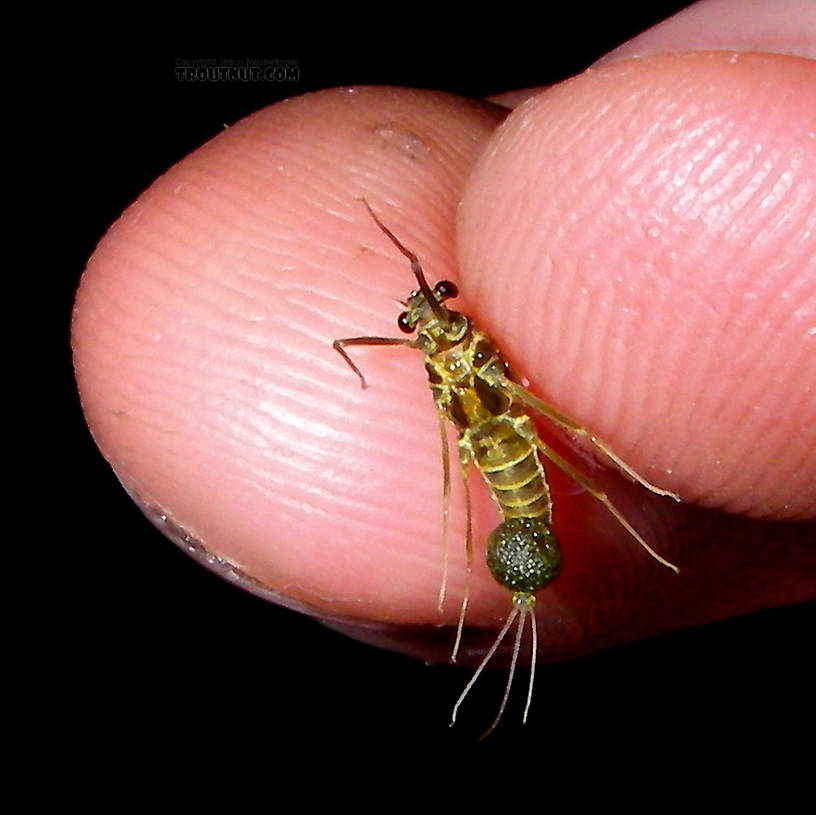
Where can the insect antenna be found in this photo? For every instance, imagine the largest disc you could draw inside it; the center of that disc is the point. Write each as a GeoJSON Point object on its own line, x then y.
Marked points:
{"type": "Point", "coordinates": [439, 311]}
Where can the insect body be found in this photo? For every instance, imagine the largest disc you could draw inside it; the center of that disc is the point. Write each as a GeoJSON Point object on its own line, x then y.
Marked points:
{"type": "Point", "coordinates": [474, 390]}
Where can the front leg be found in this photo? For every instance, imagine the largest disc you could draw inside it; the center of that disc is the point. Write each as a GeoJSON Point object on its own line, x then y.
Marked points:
{"type": "Point", "coordinates": [340, 347]}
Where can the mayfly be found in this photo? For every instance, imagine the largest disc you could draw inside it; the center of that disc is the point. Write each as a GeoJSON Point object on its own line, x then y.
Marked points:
{"type": "Point", "coordinates": [474, 390]}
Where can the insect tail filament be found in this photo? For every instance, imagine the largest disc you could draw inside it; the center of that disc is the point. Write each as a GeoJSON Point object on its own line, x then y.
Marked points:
{"type": "Point", "coordinates": [523, 605]}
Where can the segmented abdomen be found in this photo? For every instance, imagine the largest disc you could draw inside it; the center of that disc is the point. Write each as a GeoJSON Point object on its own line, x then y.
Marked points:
{"type": "Point", "coordinates": [503, 452]}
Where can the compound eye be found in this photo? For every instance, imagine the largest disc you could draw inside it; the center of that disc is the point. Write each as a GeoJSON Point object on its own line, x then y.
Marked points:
{"type": "Point", "coordinates": [403, 324]}
{"type": "Point", "coordinates": [445, 290]}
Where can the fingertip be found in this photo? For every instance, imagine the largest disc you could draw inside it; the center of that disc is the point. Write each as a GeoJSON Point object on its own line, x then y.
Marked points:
{"type": "Point", "coordinates": [770, 26]}
{"type": "Point", "coordinates": [202, 340]}
{"type": "Point", "coordinates": [638, 238]}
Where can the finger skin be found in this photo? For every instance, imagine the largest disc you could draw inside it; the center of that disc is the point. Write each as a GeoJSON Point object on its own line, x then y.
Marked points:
{"type": "Point", "coordinates": [769, 26]}
{"type": "Point", "coordinates": [202, 343]}
{"type": "Point", "coordinates": [665, 206]}
{"type": "Point", "coordinates": [772, 26]}
{"type": "Point", "coordinates": [640, 242]}
{"type": "Point", "coordinates": [202, 340]}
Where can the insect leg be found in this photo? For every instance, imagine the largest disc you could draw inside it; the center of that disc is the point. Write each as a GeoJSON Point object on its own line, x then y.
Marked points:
{"type": "Point", "coordinates": [601, 496]}
{"type": "Point", "coordinates": [523, 395]}
{"type": "Point", "coordinates": [468, 559]}
{"type": "Point", "coordinates": [445, 506]}
{"type": "Point", "coordinates": [340, 347]}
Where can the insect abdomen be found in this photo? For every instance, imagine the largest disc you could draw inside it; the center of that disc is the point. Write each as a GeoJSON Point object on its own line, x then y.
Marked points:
{"type": "Point", "coordinates": [511, 467]}
{"type": "Point", "coordinates": [523, 554]}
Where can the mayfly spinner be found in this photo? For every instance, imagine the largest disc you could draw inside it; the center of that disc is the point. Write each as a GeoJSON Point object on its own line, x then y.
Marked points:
{"type": "Point", "coordinates": [473, 389]}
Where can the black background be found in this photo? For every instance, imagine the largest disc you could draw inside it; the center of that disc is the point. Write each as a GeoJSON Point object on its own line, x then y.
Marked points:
{"type": "Point", "coordinates": [152, 648]}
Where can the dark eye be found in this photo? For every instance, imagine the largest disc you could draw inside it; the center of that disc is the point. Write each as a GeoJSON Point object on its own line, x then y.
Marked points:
{"type": "Point", "coordinates": [403, 324]}
{"type": "Point", "coordinates": [444, 289]}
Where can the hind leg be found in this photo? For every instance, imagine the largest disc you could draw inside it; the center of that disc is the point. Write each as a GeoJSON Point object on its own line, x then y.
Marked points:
{"type": "Point", "coordinates": [579, 478]}
{"type": "Point", "coordinates": [571, 426]}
